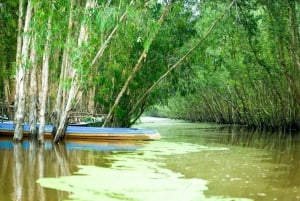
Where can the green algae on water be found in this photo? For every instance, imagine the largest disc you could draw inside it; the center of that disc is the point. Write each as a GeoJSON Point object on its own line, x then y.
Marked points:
{"type": "Point", "coordinates": [135, 177]}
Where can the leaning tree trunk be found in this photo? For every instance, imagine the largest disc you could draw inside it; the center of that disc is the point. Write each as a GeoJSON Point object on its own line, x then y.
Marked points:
{"type": "Point", "coordinates": [20, 81]}
{"type": "Point", "coordinates": [60, 97]}
{"type": "Point", "coordinates": [137, 67]}
{"type": "Point", "coordinates": [178, 63]}
{"type": "Point", "coordinates": [104, 45]}
{"type": "Point", "coordinates": [60, 132]}
{"type": "Point", "coordinates": [83, 36]}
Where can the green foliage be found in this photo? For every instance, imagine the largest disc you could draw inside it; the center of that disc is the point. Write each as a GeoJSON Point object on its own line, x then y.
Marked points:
{"type": "Point", "coordinates": [132, 38]}
{"type": "Point", "coordinates": [246, 73]}
{"type": "Point", "coordinates": [8, 35]}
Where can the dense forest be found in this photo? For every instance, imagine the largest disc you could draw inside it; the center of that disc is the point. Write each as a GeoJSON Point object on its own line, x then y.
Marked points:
{"type": "Point", "coordinates": [233, 62]}
{"type": "Point", "coordinates": [248, 70]}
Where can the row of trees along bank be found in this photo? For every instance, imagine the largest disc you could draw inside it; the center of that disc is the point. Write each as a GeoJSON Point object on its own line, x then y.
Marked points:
{"type": "Point", "coordinates": [248, 70]}
{"type": "Point", "coordinates": [105, 57]}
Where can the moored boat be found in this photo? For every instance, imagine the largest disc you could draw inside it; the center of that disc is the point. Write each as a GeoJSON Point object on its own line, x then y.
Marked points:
{"type": "Point", "coordinates": [77, 144]}
{"type": "Point", "coordinates": [85, 132]}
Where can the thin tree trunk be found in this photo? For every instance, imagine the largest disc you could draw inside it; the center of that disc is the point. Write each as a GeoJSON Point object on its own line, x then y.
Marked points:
{"type": "Point", "coordinates": [9, 95]}
{"type": "Point", "coordinates": [180, 61]}
{"type": "Point", "coordinates": [60, 132]}
{"type": "Point", "coordinates": [45, 75]}
{"type": "Point", "coordinates": [6, 89]}
{"type": "Point", "coordinates": [21, 73]}
{"type": "Point", "coordinates": [106, 42]}
{"type": "Point", "coordinates": [19, 45]}
{"type": "Point", "coordinates": [60, 98]}
{"type": "Point", "coordinates": [91, 101]}
{"type": "Point", "coordinates": [33, 92]}
{"type": "Point", "coordinates": [137, 66]}
{"type": "Point", "coordinates": [92, 91]}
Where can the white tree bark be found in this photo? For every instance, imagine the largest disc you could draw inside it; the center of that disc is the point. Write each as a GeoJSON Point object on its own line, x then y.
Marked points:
{"type": "Point", "coordinates": [20, 79]}
{"type": "Point", "coordinates": [60, 97]}
{"type": "Point", "coordinates": [44, 89]}
{"type": "Point", "coordinates": [19, 42]}
{"type": "Point", "coordinates": [33, 91]}
{"type": "Point", "coordinates": [83, 36]}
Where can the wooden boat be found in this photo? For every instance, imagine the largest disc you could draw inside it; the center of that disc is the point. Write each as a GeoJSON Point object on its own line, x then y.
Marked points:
{"type": "Point", "coordinates": [106, 145]}
{"type": "Point", "coordinates": [84, 132]}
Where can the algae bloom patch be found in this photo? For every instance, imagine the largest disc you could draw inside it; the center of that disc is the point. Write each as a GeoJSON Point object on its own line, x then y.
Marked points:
{"type": "Point", "coordinates": [135, 176]}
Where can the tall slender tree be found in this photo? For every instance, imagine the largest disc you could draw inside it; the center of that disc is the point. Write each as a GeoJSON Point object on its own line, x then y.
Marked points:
{"type": "Point", "coordinates": [33, 116]}
{"type": "Point", "coordinates": [21, 75]}
{"type": "Point", "coordinates": [45, 77]}
{"type": "Point", "coordinates": [75, 83]}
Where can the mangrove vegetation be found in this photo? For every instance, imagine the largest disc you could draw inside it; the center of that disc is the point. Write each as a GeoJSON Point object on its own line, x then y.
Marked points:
{"type": "Point", "coordinates": [247, 72]}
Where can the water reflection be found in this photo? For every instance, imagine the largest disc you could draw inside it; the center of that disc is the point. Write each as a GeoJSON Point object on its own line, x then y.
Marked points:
{"type": "Point", "coordinates": [23, 163]}
{"type": "Point", "coordinates": [21, 167]}
{"type": "Point", "coordinates": [281, 149]}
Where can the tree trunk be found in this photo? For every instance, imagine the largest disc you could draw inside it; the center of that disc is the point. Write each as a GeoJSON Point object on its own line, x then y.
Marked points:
{"type": "Point", "coordinates": [45, 75]}
{"type": "Point", "coordinates": [92, 91]}
{"type": "Point", "coordinates": [19, 44]}
{"type": "Point", "coordinates": [33, 92]}
{"type": "Point", "coordinates": [8, 93]}
{"type": "Point", "coordinates": [91, 101]}
{"type": "Point", "coordinates": [60, 97]}
{"type": "Point", "coordinates": [106, 42]}
{"type": "Point", "coordinates": [138, 65]}
{"type": "Point", "coordinates": [20, 82]}
{"type": "Point", "coordinates": [179, 62]}
{"type": "Point", "coordinates": [83, 36]}
{"type": "Point", "coordinates": [6, 87]}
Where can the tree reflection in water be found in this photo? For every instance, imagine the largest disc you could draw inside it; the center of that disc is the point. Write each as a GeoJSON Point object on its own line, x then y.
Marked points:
{"type": "Point", "coordinates": [18, 172]}
{"type": "Point", "coordinates": [22, 164]}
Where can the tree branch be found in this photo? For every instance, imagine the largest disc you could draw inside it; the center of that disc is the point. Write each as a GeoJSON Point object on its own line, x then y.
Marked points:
{"type": "Point", "coordinates": [137, 66]}
{"type": "Point", "coordinates": [181, 60]}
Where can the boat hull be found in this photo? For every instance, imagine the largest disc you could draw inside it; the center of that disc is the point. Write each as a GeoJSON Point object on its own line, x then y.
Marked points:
{"type": "Point", "coordinates": [93, 133]}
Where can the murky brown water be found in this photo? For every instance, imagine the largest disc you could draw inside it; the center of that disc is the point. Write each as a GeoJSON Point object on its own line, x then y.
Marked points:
{"type": "Point", "coordinates": [191, 162]}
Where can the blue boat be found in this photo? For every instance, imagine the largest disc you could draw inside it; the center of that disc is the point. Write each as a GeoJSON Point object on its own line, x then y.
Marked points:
{"type": "Point", "coordinates": [105, 146]}
{"type": "Point", "coordinates": [93, 133]}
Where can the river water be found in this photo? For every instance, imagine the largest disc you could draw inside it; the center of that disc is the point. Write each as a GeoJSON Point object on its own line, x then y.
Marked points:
{"type": "Point", "coordinates": [192, 162]}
